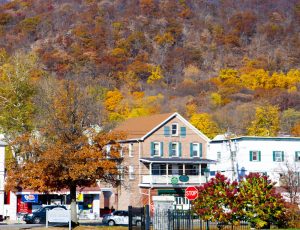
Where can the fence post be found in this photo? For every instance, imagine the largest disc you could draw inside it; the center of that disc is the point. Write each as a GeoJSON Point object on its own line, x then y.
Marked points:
{"type": "Point", "coordinates": [130, 217]}
{"type": "Point", "coordinates": [147, 219]}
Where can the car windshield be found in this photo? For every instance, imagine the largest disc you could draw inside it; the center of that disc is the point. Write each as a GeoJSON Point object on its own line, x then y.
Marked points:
{"type": "Point", "coordinates": [39, 210]}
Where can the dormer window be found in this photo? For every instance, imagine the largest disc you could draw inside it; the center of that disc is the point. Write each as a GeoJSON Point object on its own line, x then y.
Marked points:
{"type": "Point", "coordinates": [174, 129]}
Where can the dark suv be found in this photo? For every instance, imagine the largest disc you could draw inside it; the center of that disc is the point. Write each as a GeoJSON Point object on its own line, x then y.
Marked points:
{"type": "Point", "coordinates": [39, 216]}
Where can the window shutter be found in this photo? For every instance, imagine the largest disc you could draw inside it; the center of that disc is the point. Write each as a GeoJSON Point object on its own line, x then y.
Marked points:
{"type": "Point", "coordinates": [251, 156]}
{"type": "Point", "coordinates": [161, 149]}
{"type": "Point", "coordinates": [183, 131]}
{"type": "Point", "coordinates": [200, 150]}
{"type": "Point", "coordinates": [152, 148]}
{"type": "Point", "coordinates": [273, 155]}
{"type": "Point", "coordinates": [191, 149]}
{"type": "Point", "coordinates": [259, 156]}
{"type": "Point", "coordinates": [167, 131]}
{"type": "Point", "coordinates": [296, 156]}
{"type": "Point", "coordinates": [180, 149]}
{"type": "Point", "coordinates": [282, 156]}
{"type": "Point", "coordinates": [170, 149]}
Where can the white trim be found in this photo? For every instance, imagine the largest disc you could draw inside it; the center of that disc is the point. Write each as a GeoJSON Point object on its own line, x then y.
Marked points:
{"type": "Point", "coordinates": [159, 149]}
{"type": "Point", "coordinates": [131, 172]}
{"type": "Point", "coordinates": [177, 149]}
{"type": "Point", "coordinates": [177, 130]}
{"type": "Point", "coordinates": [197, 131]}
{"type": "Point", "coordinates": [188, 124]}
{"type": "Point", "coordinates": [158, 126]}
{"type": "Point", "coordinates": [130, 149]}
{"type": "Point", "coordinates": [198, 149]}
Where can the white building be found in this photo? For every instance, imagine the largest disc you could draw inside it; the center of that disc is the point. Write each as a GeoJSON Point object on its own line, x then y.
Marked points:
{"type": "Point", "coordinates": [267, 155]}
{"type": "Point", "coordinates": [2, 174]}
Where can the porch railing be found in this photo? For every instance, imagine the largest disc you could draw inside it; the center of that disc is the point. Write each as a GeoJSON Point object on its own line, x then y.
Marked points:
{"type": "Point", "coordinates": [166, 179]}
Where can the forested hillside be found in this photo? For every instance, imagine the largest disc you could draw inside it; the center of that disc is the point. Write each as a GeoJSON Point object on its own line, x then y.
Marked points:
{"type": "Point", "coordinates": [223, 64]}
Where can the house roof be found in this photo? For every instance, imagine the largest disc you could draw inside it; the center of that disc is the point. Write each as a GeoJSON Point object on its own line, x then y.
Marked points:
{"type": "Point", "coordinates": [3, 143]}
{"type": "Point", "coordinates": [141, 127]}
{"type": "Point", "coordinates": [221, 138]}
{"type": "Point", "coordinates": [136, 128]}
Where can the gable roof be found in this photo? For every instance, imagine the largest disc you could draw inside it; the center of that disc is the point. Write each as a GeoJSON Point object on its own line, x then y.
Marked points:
{"type": "Point", "coordinates": [141, 127]}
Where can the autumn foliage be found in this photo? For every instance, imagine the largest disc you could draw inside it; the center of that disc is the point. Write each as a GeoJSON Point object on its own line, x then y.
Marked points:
{"type": "Point", "coordinates": [253, 199]}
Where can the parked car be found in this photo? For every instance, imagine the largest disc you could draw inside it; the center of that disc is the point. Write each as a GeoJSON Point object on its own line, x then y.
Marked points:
{"type": "Point", "coordinates": [119, 217]}
{"type": "Point", "coordinates": [39, 216]}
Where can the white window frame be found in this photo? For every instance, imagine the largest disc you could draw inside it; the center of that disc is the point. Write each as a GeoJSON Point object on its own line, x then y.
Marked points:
{"type": "Point", "coordinates": [176, 149]}
{"type": "Point", "coordinates": [156, 143]}
{"type": "Point", "coordinates": [257, 155]}
{"type": "Point", "coordinates": [131, 172]}
{"type": "Point", "coordinates": [121, 150]}
{"type": "Point", "coordinates": [278, 158]}
{"type": "Point", "coordinates": [197, 149]}
{"type": "Point", "coordinates": [130, 149]}
{"type": "Point", "coordinates": [121, 172]}
{"type": "Point", "coordinates": [298, 156]}
{"type": "Point", "coordinates": [176, 130]}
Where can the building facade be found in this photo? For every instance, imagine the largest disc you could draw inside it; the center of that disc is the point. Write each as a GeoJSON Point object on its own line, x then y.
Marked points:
{"type": "Point", "coordinates": [163, 154]}
{"type": "Point", "coordinates": [270, 156]}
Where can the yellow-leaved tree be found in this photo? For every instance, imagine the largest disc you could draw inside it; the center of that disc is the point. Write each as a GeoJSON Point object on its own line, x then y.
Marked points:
{"type": "Point", "coordinates": [155, 75]}
{"type": "Point", "coordinates": [205, 123]}
{"type": "Point", "coordinates": [266, 122]}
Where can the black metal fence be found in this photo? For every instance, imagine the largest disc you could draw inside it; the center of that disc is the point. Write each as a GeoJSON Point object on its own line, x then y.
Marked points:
{"type": "Point", "coordinates": [185, 220]}
{"type": "Point", "coordinates": [139, 218]}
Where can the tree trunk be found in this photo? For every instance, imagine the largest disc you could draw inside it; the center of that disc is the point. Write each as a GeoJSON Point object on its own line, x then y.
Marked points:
{"type": "Point", "coordinates": [74, 218]}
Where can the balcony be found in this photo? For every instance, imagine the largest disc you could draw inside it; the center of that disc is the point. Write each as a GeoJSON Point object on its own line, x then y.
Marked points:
{"type": "Point", "coordinates": [167, 180]}
{"type": "Point", "coordinates": [174, 172]}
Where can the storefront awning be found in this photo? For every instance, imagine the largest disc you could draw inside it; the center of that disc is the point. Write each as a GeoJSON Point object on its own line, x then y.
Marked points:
{"type": "Point", "coordinates": [178, 160]}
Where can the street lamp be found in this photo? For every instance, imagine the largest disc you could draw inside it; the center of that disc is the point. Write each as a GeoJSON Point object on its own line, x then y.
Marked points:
{"type": "Point", "coordinates": [206, 174]}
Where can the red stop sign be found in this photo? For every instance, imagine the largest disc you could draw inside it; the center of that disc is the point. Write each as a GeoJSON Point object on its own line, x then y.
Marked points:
{"type": "Point", "coordinates": [191, 193]}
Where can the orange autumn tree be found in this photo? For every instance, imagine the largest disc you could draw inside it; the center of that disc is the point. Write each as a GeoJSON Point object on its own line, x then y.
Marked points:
{"type": "Point", "coordinates": [66, 150]}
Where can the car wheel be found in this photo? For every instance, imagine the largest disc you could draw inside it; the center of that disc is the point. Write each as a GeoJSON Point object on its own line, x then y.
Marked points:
{"type": "Point", "coordinates": [111, 223]}
{"type": "Point", "coordinates": [36, 220]}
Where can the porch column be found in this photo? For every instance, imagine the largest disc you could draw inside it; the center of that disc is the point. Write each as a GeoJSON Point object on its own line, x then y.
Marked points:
{"type": "Point", "coordinates": [150, 168]}
{"type": "Point", "coordinates": [183, 169]}
{"type": "Point", "coordinates": [200, 174]}
{"type": "Point", "coordinates": [167, 173]}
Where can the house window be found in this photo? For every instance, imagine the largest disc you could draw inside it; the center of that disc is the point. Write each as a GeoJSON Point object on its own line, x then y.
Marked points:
{"type": "Point", "coordinates": [174, 129]}
{"type": "Point", "coordinates": [121, 150]}
{"type": "Point", "coordinates": [174, 149]}
{"type": "Point", "coordinates": [156, 149]}
{"type": "Point", "coordinates": [158, 169]}
{"type": "Point", "coordinates": [131, 172]}
{"type": "Point", "coordinates": [130, 149]}
{"type": "Point", "coordinates": [278, 156]}
{"type": "Point", "coordinates": [195, 150]}
{"type": "Point", "coordinates": [192, 169]}
{"type": "Point", "coordinates": [254, 155]}
{"type": "Point", "coordinates": [121, 172]}
{"type": "Point", "coordinates": [297, 156]}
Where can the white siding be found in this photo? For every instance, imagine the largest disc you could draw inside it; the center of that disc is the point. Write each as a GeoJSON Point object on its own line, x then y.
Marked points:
{"type": "Point", "coordinates": [244, 146]}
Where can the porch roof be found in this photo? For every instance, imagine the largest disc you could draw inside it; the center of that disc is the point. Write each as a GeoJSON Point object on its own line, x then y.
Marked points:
{"type": "Point", "coordinates": [177, 160]}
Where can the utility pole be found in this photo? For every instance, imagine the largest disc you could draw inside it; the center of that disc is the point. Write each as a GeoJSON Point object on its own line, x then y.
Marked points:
{"type": "Point", "coordinates": [232, 152]}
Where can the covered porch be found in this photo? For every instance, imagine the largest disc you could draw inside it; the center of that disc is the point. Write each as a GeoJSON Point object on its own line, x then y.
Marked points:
{"type": "Point", "coordinates": [175, 171]}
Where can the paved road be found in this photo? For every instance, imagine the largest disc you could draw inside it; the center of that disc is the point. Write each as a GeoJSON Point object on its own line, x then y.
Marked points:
{"type": "Point", "coordinates": [23, 226]}
{"type": "Point", "coordinates": [20, 226]}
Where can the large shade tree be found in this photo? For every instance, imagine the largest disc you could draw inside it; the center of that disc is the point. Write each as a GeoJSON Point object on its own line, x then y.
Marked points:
{"type": "Point", "coordinates": [66, 149]}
